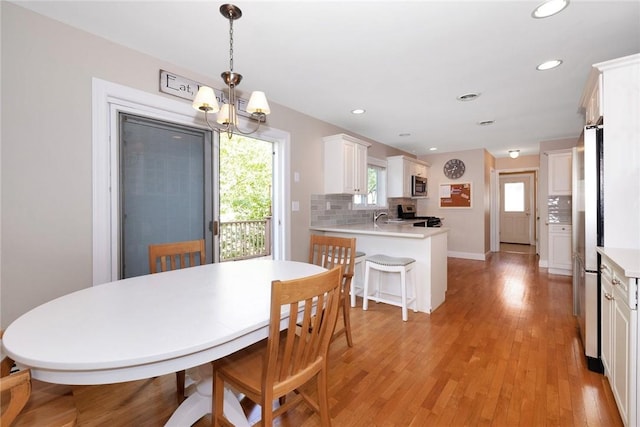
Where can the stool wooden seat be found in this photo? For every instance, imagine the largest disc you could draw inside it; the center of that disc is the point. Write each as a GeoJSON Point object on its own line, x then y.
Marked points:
{"type": "Point", "coordinates": [385, 263]}
{"type": "Point", "coordinates": [356, 288]}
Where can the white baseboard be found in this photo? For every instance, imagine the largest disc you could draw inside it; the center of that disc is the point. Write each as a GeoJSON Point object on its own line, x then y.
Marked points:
{"type": "Point", "coordinates": [467, 255]}
{"type": "Point", "coordinates": [560, 271]}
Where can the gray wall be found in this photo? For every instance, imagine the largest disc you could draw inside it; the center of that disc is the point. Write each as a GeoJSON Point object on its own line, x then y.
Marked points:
{"type": "Point", "coordinates": [469, 235]}
{"type": "Point", "coordinates": [46, 177]}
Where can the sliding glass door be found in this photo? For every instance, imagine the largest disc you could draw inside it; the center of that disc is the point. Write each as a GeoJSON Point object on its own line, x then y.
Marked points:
{"type": "Point", "coordinates": [166, 188]}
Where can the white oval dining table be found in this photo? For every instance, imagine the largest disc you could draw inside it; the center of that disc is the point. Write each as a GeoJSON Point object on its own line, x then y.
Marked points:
{"type": "Point", "coordinates": [150, 325]}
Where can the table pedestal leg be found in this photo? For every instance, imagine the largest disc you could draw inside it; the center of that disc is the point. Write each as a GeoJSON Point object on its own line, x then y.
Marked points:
{"type": "Point", "coordinates": [198, 404]}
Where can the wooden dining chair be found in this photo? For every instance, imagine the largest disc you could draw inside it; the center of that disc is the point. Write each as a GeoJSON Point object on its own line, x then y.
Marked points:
{"type": "Point", "coordinates": [278, 366]}
{"type": "Point", "coordinates": [175, 255]}
{"type": "Point", "coordinates": [27, 402]}
{"type": "Point", "coordinates": [329, 251]}
{"type": "Point", "coordinates": [172, 256]}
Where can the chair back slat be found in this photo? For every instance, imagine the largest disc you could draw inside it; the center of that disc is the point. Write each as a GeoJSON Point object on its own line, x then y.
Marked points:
{"type": "Point", "coordinates": [330, 251]}
{"type": "Point", "coordinates": [304, 344]}
{"type": "Point", "coordinates": [172, 256]}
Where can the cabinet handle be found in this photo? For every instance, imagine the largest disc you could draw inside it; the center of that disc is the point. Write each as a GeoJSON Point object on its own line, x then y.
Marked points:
{"type": "Point", "coordinates": [615, 281]}
{"type": "Point", "coordinates": [608, 296]}
{"type": "Point", "coordinates": [603, 267]}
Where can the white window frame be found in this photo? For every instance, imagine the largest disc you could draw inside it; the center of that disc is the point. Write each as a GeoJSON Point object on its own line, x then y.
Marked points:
{"type": "Point", "coordinates": [110, 98]}
{"type": "Point", "coordinates": [382, 187]}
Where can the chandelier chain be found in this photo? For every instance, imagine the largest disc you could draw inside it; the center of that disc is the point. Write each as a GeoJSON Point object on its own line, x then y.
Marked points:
{"type": "Point", "coordinates": [231, 45]}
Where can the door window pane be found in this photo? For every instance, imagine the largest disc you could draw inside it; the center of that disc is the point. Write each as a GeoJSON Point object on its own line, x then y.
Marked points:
{"type": "Point", "coordinates": [514, 197]}
{"type": "Point", "coordinates": [163, 178]}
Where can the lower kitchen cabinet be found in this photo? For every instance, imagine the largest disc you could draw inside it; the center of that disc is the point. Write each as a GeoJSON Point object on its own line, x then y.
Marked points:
{"type": "Point", "coordinates": [560, 250]}
{"type": "Point", "coordinates": [619, 323]}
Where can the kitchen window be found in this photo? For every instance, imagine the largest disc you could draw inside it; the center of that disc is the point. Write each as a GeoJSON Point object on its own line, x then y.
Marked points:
{"type": "Point", "coordinates": [376, 196]}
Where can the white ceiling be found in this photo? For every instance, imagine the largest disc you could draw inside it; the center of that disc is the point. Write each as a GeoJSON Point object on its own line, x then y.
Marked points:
{"type": "Point", "coordinates": [403, 61]}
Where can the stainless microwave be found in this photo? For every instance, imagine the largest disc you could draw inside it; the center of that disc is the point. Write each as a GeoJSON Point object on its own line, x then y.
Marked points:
{"type": "Point", "coordinates": [418, 186]}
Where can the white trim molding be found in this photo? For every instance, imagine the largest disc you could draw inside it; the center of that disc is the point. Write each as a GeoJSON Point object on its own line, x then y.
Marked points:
{"type": "Point", "coordinates": [108, 99]}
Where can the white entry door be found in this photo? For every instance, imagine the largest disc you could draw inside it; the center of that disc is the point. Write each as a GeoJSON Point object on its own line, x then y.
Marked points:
{"type": "Point", "coordinates": [516, 201]}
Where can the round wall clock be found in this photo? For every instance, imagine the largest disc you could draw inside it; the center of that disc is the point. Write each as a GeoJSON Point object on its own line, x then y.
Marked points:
{"type": "Point", "coordinates": [454, 168]}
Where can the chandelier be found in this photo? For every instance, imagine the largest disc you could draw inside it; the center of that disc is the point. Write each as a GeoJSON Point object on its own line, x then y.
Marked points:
{"type": "Point", "coordinates": [227, 118]}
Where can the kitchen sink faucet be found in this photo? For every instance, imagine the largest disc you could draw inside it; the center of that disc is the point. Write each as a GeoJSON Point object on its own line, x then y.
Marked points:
{"type": "Point", "coordinates": [377, 215]}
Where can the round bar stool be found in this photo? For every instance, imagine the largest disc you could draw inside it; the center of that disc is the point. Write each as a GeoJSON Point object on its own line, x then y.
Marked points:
{"type": "Point", "coordinates": [357, 287]}
{"type": "Point", "coordinates": [385, 263]}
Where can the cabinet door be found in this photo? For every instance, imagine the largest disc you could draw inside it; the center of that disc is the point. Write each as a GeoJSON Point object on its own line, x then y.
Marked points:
{"type": "Point", "coordinates": [348, 167]}
{"type": "Point", "coordinates": [606, 301]}
{"type": "Point", "coordinates": [560, 174]}
{"type": "Point", "coordinates": [419, 169]}
{"type": "Point", "coordinates": [621, 369]}
{"type": "Point", "coordinates": [408, 170]}
{"type": "Point", "coordinates": [360, 169]}
{"type": "Point", "coordinates": [345, 165]}
{"type": "Point", "coordinates": [560, 250]}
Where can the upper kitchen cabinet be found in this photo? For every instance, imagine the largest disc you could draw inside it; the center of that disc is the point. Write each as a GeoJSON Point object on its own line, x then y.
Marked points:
{"type": "Point", "coordinates": [592, 99]}
{"type": "Point", "coordinates": [345, 165]}
{"type": "Point", "coordinates": [560, 170]}
{"type": "Point", "coordinates": [621, 150]}
{"type": "Point", "coordinates": [400, 170]}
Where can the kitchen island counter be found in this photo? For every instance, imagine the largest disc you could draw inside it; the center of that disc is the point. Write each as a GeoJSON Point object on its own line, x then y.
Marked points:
{"type": "Point", "coordinates": [427, 245]}
{"type": "Point", "coordinates": [392, 229]}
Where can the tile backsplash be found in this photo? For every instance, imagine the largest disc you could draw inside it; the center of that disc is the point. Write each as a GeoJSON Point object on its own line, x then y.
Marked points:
{"type": "Point", "coordinates": [559, 209]}
{"type": "Point", "coordinates": [336, 209]}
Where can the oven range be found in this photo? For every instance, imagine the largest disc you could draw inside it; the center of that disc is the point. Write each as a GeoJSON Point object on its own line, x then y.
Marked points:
{"type": "Point", "coordinates": [409, 212]}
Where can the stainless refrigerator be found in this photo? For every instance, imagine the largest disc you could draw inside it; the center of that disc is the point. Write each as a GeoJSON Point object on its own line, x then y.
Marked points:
{"type": "Point", "coordinates": [588, 232]}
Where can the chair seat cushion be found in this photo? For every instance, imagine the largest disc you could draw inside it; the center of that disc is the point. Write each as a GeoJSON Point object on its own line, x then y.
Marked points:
{"type": "Point", "coordinates": [389, 260]}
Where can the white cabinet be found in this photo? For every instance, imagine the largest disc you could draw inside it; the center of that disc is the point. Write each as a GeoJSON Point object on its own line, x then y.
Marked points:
{"type": "Point", "coordinates": [400, 169]}
{"type": "Point", "coordinates": [592, 98]}
{"type": "Point", "coordinates": [621, 174]}
{"type": "Point", "coordinates": [560, 170]}
{"type": "Point", "coordinates": [345, 165]}
{"type": "Point", "coordinates": [619, 323]}
{"type": "Point", "coordinates": [560, 249]}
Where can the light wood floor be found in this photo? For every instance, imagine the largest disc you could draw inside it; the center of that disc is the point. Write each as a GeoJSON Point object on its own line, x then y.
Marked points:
{"type": "Point", "coordinates": [503, 350]}
{"type": "Point", "coordinates": [518, 248]}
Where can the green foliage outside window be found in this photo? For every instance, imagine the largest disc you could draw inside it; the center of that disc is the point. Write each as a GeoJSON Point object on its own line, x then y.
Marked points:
{"type": "Point", "coordinates": [245, 178]}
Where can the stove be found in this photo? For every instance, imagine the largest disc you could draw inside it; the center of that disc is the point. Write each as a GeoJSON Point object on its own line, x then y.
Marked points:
{"type": "Point", "coordinates": [409, 212]}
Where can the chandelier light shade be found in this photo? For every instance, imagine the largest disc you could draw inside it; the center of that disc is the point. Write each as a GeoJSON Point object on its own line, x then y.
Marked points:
{"type": "Point", "coordinates": [205, 100]}
{"type": "Point", "coordinates": [258, 103]}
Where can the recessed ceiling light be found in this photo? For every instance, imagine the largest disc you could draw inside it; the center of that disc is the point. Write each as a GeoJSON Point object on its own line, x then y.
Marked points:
{"type": "Point", "coordinates": [548, 65]}
{"type": "Point", "coordinates": [486, 122]}
{"type": "Point", "coordinates": [405, 134]}
{"type": "Point", "coordinates": [467, 96]}
{"type": "Point", "coordinates": [433, 148]}
{"type": "Point", "coordinates": [176, 137]}
{"type": "Point", "coordinates": [358, 111]}
{"type": "Point", "coordinates": [549, 8]}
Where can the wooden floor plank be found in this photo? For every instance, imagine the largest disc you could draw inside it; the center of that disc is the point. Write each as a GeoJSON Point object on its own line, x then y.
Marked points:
{"type": "Point", "coordinates": [502, 350]}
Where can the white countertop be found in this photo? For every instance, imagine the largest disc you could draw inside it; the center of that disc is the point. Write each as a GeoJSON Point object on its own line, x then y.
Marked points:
{"type": "Point", "coordinates": [395, 229]}
{"type": "Point", "coordinates": [627, 259]}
